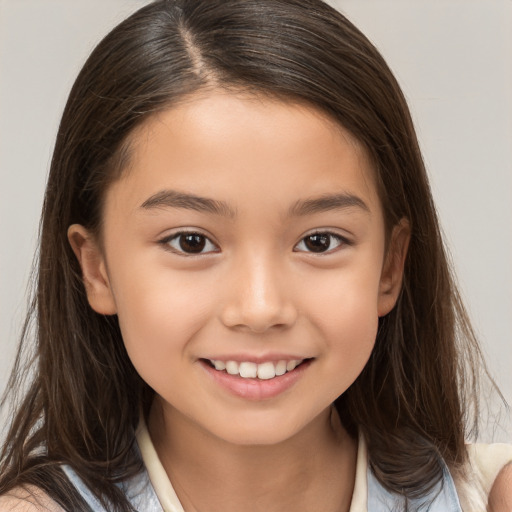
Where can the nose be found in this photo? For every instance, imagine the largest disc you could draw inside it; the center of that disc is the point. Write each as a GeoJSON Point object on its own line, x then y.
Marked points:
{"type": "Point", "coordinates": [257, 296]}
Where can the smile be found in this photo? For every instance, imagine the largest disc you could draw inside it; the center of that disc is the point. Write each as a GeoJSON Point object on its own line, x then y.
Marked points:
{"type": "Point", "coordinates": [249, 370]}
{"type": "Point", "coordinates": [256, 381]}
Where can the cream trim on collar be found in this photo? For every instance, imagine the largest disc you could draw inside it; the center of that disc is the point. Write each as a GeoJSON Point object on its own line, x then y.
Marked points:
{"type": "Point", "coordinates": [157, 475]}
{"type": "Point", "coordinates": [170, 502]}
{"type": "Point", "coordinates": [359, 501]}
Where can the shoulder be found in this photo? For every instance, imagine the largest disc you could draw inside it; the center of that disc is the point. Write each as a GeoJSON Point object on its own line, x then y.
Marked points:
{"type": "Point", "coordinates": [487, 460]}
{"type": "Point", "coordinates": [500, 497]}
{"type": "Point", "coordinates": [490, 471]}
{"type": "Point", "coordinates": [28, 499]}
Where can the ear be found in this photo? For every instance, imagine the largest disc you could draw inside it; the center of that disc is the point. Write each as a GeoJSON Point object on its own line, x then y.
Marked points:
{"type": "Point", "coordinates": [94, 269]}
{"type": "Point", "coordinates": [393, 268]}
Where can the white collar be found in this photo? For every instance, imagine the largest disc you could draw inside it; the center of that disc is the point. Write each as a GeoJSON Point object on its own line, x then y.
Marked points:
{"type": "Point", "coordinates": [170, 502]}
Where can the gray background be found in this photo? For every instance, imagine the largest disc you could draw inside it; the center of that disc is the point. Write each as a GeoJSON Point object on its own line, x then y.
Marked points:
{"type": "Point", "coordinates": [452, 57]}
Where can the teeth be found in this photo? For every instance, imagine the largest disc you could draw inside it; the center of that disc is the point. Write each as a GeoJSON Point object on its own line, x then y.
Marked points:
{"type": "Point", "coordinates": [232, 367]}
{"type": "Point", "coordinates": [291, 365]}
{"type": "Point", "coordinates": [248, 370]}
{"type": "Point", "coordinates": [281, 368]}
{"type": "Point", "coordinates": [219, 365]}
{"type": "Point", "coordinates": [263, 371]}
{"type": "Point", "coordinates": [266, 371]}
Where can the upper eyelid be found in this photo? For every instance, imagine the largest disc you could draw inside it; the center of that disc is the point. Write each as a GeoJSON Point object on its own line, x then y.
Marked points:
{"type": "Point", "coordinates": [326, 231]}
{"type": "Point", "coordinates": [186, 231]}
{"type": "Point", "coordinates": [329, 231]}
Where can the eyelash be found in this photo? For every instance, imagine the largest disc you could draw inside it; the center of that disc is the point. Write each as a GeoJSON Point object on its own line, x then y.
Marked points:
{"type": "Point", "coordinates": [341, 241]}
{"type": "Point", "coordinates": [166, 242]}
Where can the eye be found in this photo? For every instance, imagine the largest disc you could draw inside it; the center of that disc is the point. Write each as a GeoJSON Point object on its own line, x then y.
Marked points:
{"type": "Point", "coordinates": [320, 242]}
{"type": "Point", "coordinates": [190, 242]}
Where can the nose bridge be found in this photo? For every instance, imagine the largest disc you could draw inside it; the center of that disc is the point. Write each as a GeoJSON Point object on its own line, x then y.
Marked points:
{"type": "Point", "coordinates": [256, 293]}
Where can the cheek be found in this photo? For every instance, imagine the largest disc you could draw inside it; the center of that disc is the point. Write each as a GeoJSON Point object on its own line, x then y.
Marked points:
{"type": "Point", "coordinates": [350, 336]}
{"type": "Point", "coordinates": [159, 314]}
{"type": "Point", "coordinates": [344, 300]}
{"type": "Point", "coordinates": [343, 313]}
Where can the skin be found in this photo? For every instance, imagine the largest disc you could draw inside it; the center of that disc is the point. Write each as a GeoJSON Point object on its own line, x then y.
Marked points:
{"type": "Point", "coordinates": [256, 292]}
{"type": "Point", "coordinates": [500, 497]}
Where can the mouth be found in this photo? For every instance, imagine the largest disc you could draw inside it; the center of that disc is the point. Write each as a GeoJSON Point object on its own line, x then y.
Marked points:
{"type": "Point", "coordinates": [256, 381]}
{"type": "Point", "coordinates": [266, 370]}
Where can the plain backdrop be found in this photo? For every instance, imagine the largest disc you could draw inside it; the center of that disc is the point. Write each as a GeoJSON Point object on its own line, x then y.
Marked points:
{"type": "Point", "coordinates": [452, 57]}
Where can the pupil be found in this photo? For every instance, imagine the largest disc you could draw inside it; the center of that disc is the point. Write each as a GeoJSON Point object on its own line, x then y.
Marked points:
{"type": "Point", "coordinates": [318, 243]}
{"type": "Point", "coordinates": [192, 243]}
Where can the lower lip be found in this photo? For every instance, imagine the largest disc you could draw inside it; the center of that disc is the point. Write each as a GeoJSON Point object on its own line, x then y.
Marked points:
{"type": "Point", "coordinates": [256, 389]}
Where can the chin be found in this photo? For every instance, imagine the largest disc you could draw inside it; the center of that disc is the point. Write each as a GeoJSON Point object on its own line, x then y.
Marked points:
{"type": "Point", "coordinates": [259, 431]}
{"type": "Point", "coordinates": [251, 437]}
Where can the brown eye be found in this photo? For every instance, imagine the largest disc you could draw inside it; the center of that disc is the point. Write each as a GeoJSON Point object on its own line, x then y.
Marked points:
{"type": "Point", "coordinates": [317, 243]}
{"type": "Point", "coordinates": [320, 242]}
{"type": "Point", "coordinates": [190, 243]}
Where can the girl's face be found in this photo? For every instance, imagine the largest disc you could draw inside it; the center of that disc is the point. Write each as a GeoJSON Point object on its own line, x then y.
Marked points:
{"type": "Point", "coordinates": [246, 233]}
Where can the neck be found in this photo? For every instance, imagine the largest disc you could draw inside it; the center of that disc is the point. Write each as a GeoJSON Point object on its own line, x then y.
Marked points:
{"type": "Point", "coordinates": [314, 470]}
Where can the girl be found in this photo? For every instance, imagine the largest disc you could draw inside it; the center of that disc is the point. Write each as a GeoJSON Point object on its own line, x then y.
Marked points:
{"type": "Point", "coordinates": [243, 299]}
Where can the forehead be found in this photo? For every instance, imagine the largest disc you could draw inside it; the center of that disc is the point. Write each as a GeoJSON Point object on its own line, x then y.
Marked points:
{"type": "Point", "coordinates": [234, 144]}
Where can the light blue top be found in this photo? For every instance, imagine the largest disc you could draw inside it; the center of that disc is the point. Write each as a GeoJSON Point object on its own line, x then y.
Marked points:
{"type": "Point", "coordinates": [442, 498]}
{"type": "Point", "coordinates": [141, 494]}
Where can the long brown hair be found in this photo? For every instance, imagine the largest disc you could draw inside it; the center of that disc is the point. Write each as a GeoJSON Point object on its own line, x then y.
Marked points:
{"type": "Point", "coordinates": [82, 402]}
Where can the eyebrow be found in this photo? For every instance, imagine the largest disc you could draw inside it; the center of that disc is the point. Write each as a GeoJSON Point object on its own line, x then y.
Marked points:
{"type": "Point", "coordinates": [323, 203]}
{"type": "Point", "coordinates": [326, 203]}
{"type": "Point", "coordinates": [175, 199]}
